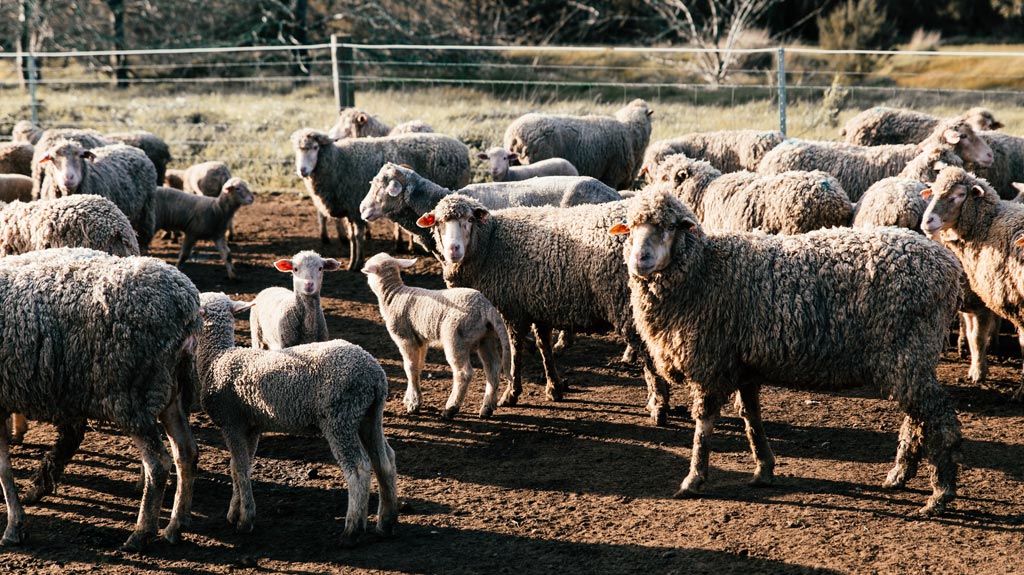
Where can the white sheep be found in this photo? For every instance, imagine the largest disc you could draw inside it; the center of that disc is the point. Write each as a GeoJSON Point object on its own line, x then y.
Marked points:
{"type": "Point", "coordinates": [355, 123]}
{"type": "Point", "coordinates": [15, 188]}
{"type": "Point", "coordinates": [16, 158]}
{"type": "Point", "coordinates": [285, 318]}
{"type": "Point", "coordinates": [499, 160]}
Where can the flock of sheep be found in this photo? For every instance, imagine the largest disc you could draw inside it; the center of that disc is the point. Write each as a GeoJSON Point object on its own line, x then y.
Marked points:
{"type": "Point", "coordinates": [742, 259]}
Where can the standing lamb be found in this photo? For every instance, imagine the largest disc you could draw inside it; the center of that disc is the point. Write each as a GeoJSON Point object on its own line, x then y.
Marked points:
{"type": "Point", "coordinates": [702, 304]}
{"type": "Point", "coordinates": [202, 179]}
{"type": "Point", "coordinates": [69, 310]}
{"type": "Point", "coordinates": [727, 150]}
{"type": "Point", "coordinates": [610, 149]}
{"type": "Point", "coordinates": [25, 131]}
{"type": "Point", "coordinates": [155, 148]}
{"type": "Point", "coordinates": [334, 389]}
{"type": "Point", "coordinates": [16, 158]}
{"type": "Point", "coordinates": [499, 160]}
{"type": "Point", "coordinates": [459, 320]}
{"type": "Point", "coordinates": [284, 318]}
{"type": "Point", "coordinates": [882, 125]}
{"type": "Point", "coordinates": [355, 123]}
{"type": "Point", "coordinates": [338, 174]}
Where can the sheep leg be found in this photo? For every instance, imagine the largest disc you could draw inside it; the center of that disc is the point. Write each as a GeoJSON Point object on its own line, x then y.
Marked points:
{"type": "Point", "coordinates": [553, 390]}
{"type": "Point", "coordinates": [225, 256]}
{"type": "Point", "coordinates": [14, 533]}
{"type": "Point", "coordinates": [321, 221]}
{"type": "Point", "coordinates": [979, 328]}
{"type": "Point", "coordinates": [413, 358]}
{"type": "Point", "coordinates": [186, 457]}
{"type": "Point", "coordinates": [908, 455]}
{"type": "Point", "coordinates": [382, 458]}
{"type": "Point", "coordinates": [46, 477]}
{"type": "Point", "coordinates": [705, 412]}
{"type": "Point", "coordinates": [187, 243]}
{"type": "Point", "coordinates": [748, 403]}
{"type": "Point", "coordinates": [566, 338]}
{"type": "Point", "coordinates": [462, 374]}
{"type": "Point", "coordinates": [928, 405]}
{"type": "Point", "coordinates": [1019, 394]}
{"type": "Point", "coordinates": [19, 427]}
{"type": "Point", "coordinates": [348, 450]}
{"type": "Point", "coordinates": [962, 338]}
{"type": "Point", "coordinates": [628, 354]}
{"type": "Point", "coordinates": [490, 358]}
{"type": "Point", "coordinates": [242, 512]}
{"type": "Point", "coordinates": [515, 387]}
{"type": "Point", "coordinates": [154, 459]}
{"type": "Point", "coordinates": [357, 230]}
{"type": "Point", "coordinates": [657, 389]}
{"type": "Point", "coordinates": [341, 226]}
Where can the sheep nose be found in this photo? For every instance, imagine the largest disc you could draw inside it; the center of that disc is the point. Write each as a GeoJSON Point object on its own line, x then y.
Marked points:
{"type": "Point", "coordinates": [932, 224]}
{"type": "Point", "coordinates": [368, 214]}
{"type": "Point", "coordinates": [303, 171]}
{"type": "Point", "coordinates": [455, 254]}
{"type": "Point", "coordinates": [310, 286]}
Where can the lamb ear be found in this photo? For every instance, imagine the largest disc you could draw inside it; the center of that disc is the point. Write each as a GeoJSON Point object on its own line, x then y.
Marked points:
{"type": "Point", "coordinates": [650, 112]}
{"type": "Point", "coordinates": [482, 156]}
{"type": "Point", "coordinates": [427, 220]}
{"type": "Point", "coordinates": [926, 193]}
{"type": "Point", "coordinates": [643, 172]}
{"type": "Point", "coordinates": [370, 268]}
{"type": "Point", "coordinates": [939, 165]}
{"type": "Point", "coordinates": [361, 119]}
{"type": "Point", "coordinates": [996, 124]}
{"type": "Point", "coordinates": [405, 264]}
{"type": "Point", "coordinates": [1019, 241]}
{"type": "Point", "coordinates": [978, 190]}
{"type": "Point", "coordinates": [88, 155]}
{"type": "Point", "coordinates": [951, 136]}
{"type": "Point", "coordinates": [687, 224]}
{"type": "Point", "coordinates": [513, 156]}
{"type": "Point", "coordinates": [46, 158]}
{"type": "Point", "coordinates": [331, 265]}
{"type": "Point", "coordinates": [240, 306]}
{"type": "Point", "coordinates": [1019, 187]}
{"type": "Point", "coordinates": [284, 265]}
{"type": "Point", "coordinates": [619, 229]}
{"type": "Point", "coordinates": [481, 215]}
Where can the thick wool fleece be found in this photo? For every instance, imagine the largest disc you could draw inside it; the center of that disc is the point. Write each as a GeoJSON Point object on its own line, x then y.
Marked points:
{"type": "Point", "coordinates": [726, 150]}
{"type": "Point", "coordinates": [16, 158]}
{"type": "Point", "coordinates": [883, 125]}
{"type": "Point", "coordinates": [79, 221]}
{"type": "Point", "coordinates": [155, 148]}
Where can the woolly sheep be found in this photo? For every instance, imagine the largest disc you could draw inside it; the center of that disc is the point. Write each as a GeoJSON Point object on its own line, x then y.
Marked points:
{"type": "Point", "coordinates": [459, 320]}
{"type": "Point", "coordinates": [355, 123]}
{"type": "Point", "coordinates": [702, 303]}
{"type": "Point", "coordinates": [546, 267]}
{"type": "Point", "coordinates": [334, 389]}
{"type": "Point", "coordinates": [284, 318]}
{"type": "Point", "coordinates": [201, 217]}
{"type": "Point", "coordinates": [1007, 166]}
{"type": "Point", "coordinates": [727, 150]}
{"type": "Point", "coordinates": [15, 188]}
{"type": "Point", "coordinates": [857, 167]}
{"type": "Point", "coordinates": [16, 158]}
{"type": "Point", "coordinates": [882, 125]}
{"type": "Point", "coordinates": [966, 214]}
{"type": "Point", "coordinates": [69, 310]}
{"type": "Point", "coordinates": [338, 174]}
{"type": "Point", "coordinates": [83, 221]}
{"type": "Point", "coordinates": [610, 149]}
{"type": "Point", "coordinates": [122, 174]}
{"type": "Point", "coordinates": [155, 148]}
{"type": "Point", "coordinates": [25, 131]}
{"type": "Point", "coordinates": [204, 178]}
{"type": "Point", "coordinates": [87, 139]}
{"type": "Point", "coordinates": [499, 160]}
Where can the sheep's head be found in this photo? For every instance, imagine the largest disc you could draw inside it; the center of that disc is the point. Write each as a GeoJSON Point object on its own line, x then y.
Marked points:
{"type": "Point", "coordinates": [383, 263]}
{"type": "Point", "coordinates": [499, 160]}
{"type": "Point", "coordinates": [25, 131]}
{"type": "Point", "coordinates": [238, 191]}
{"type": "Point", "coordinates": [634, 109]}
{"type": "Point", "coordinates": [981, 119]}
{"type": "Point", "coordinates": [965, 142]}
{"type": "Point", "coordinates": [65, 163]}
{"type": "Point", "coordinates": [452, 221]}
{"type": "Point", "coordinates": [954, 193]}
{"type": "Point", "coordinates": [348, 124]}
{"type": "Point", "coordinates": [307, 143]}
{"type": "Point", "coordinates": [387, 191]}
{"type": "Point", "coordinates": [307, 269]}
{"type": "Point", "coordinates": [218, 309]}
{"type": "Point", "coordinates": [654, 220]}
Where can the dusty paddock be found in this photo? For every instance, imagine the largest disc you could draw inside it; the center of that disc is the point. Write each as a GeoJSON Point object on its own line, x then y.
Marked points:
{"type": "Point", "coordinates": [582, 486]}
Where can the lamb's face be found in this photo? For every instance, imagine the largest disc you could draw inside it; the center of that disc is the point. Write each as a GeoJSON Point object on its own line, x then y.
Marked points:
{"type": "Point", "coordinates": [943, 212]}
{"type": "Point", "coordinates": [67, 167]}
{"type": "Point", "coordinates": [498, 160]}
{"type": "Point", "coordinates": [307, 269]}
{"type": "Point", "coordinates": [238, 190]}
{"type": "Point", "coordinates": [970, 146]}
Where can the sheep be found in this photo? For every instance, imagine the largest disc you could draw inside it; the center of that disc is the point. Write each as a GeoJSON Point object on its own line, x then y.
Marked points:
{"type": "Point", "coordinates": [122, 174]}
{"type": "Point", "coordinates": [155, 148]}
{"type": "Point", "coordinates": [610, 149]}
{"type": "Point", "coordinates": [843, 307]}
{"type": "Point", "coordinates": [459, 320]}
{"type": "Point", "coordinates": [355, 123]}
{"type": "Point", "coordinates": [15, 188]}
{"type": "Point", "coordinates": [201, 217]}
{"type": "Point", "coordinates": [84, 221]}
{"type": "Point", "coordinates": [87, 139]}
{"type": "Point", "coordinates": [727, 150]}
{"type": "Point", "coordinates": [882, 125]}
{"type": "Point", "coordinates": [338, 174]}
{"type": "Point", "coordinates": [1008, 165]}
{"type": "Point", "coordinates": [789, 203]}
{"type": "Point", "coordinates": [202, 179]}
{"type": "Point", "coordinates": [175, 178]}
{"type": "Point", "coordinates": [857, 167]}
{"type": "Point", "coordinates": [966, 214]}
{"type": "Point", "coordinates": [16, 158]}
{"type": "Point", "coordinates": [499, 159]}
{"type": "Point", "coordinates": [334, 389]}
{"type": "Point", "coordinates": [285, 318]}
{"type": "Point", "coordinates": [25, 131]}
{"type": "Point", "coordinates": [546, 267]}
{"type": "Point", "coordinates": [70, 310]}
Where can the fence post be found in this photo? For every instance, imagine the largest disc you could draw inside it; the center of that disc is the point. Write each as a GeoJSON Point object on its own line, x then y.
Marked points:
{"type": "Point", "coordinates": [782, 91]}
{"type": "Point", "coordinates": [32, 87]}
{"type": "Point", "coordinates": [341, 64]}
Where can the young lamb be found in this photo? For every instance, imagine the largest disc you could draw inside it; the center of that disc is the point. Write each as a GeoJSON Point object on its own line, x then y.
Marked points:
{"type": "Point", "coordinates": [334, 389]}
{"type": "Point", "coordinates": [355, 123]}
{"type": "Point", "coordinates": [284, 318]}
{"type": "Point", "coordinates": [155, 148]}
{"type": "Point", "coordinates": [15, 188]}
{"type": "Point", "coordinates": [702, 303]}
{"type": "Point", "coordinates": [727, 150]}
{"type": "Point", "coordinates": [459, 320]}
{"type": "Point", "coordinates": [25, 131]}
{"type": "Point", "coordinates": [202, 217]}
{"type": "Point", "coordinates": [610, 149]}
{"type": "Point", "coordinates": [202, 179]}
{"type": "Point", "coordinates": [122, 174]}
{"type": "Point", "coordinates": [16, 158]}
{"type": "Point", "coordinates": [70, 310]}
{"type": "Point", "coordinates": [882, 125]}
{"type": "Point", "coordinates": [501, 169]}
{"type": "Point", "coordinates": [338, 173]}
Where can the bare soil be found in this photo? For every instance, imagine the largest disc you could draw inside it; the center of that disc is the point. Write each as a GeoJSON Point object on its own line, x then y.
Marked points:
{"type": "Point", "coordinates": [580, 486]}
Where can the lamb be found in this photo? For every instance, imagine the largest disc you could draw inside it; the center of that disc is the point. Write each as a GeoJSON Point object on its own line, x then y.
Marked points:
{"type": "Point", "coordinates": [702, 303]}
{"type": "Point", "coordinates": [87, 139]}
{"type": "Point", "coordinates": [15, 188]}
{"type": "Point", "coordinates": [69, 310]}
{"type": "Point", "coordinates": [857, 167]}
{"type": "Point", "coordinates": [202, 179]}
{"type": "Point", "coordinates": [546, 267]}
{"type": "Point", "coordinates": [459, 320]}
{"type": "Point", "coordinates": [285, 318]}
{"type": "Point", "coordinates": [727, 150]}
{"type": "Point", "coordinates": [610, 149]}
{"type": "Point", "coordinates": [83, 221]}
{"type": "Point", "coordinates": [16, 158]}
{"type": "Point", "coordinates": [501, 171]}
{"type": "Point", "coordinates": [338, 174]}
{"type": "Point", "coordinates": [26, 131]}
{"type": "Point", "coordinates": [122, 174]}
{"type": "Point", "coordinates": [966, 214]}
{"type": "Point", "coordinates": [155, 148]}
{"type": "Point", "coordinates": [334, 389]}
{"type": "Point", "coordinates": [201, 217]}
{"type": "Point", "coordinates": [789, 203]}
{"type": "Point", "coordinates": [882, 125]}
{"type": "Point", "coordinates": [355, 123]}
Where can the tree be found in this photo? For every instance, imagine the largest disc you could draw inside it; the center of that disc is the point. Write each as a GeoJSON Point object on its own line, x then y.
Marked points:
{"type": "Point", "coordinates": [118, 61]}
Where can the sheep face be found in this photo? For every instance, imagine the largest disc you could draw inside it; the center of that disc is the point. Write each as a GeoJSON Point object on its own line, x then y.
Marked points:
{"type": "Point", "coordinates": [383, 262]}
{"type": "Point", "coordinates": [654, 221]}
{"type": "Point", "coordinates": [307, 269]}
{"type": "Point", "coordinates": [981, 119]}
{"type": "Point", "coordinates": [306, 144]}
{"type": "Point", "coordinates": [969, 146]}
{"type": "Point", "coordinates": [67, 166]}
{"type": "Point", "coordinates": [218, 309]}
{"type": "Point", "coordinates": [238, 191]}
{"type": "Point", "coordinates": [385, 188]}
{"type": "Point", "coordinates": [943, 213]}
{"type": "Point", "coordinates": [499, 161]}
{"type": "Point", "coordinates": [453, 230]}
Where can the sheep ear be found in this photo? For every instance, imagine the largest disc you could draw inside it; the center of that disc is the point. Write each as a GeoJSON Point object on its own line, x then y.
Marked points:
{"type": "Point", "coordinates": [1019, 241]}
{"type": "Point", "coordinates": [331, 265]}
{"type": "Point", "coordinates": [284, 265]}
{"type": "Point", "coordinates": [87, 155]}
{"type": "Point", "coordinates": [996, 125]}
{"type": "Point", "coordinates": [405, 264]}
{"type": "Point", "coordinates": [650, 112]}
{"type": "Point", "coordinates": [643, 172]}
{"type": "Point", "coordinates": [427, 220]}
{"type": "Point", "coordinates": [240, 306]}
{"type": "Point", "coordinates": [978, 190]}
{"type": "Point", "coordinates": [513, 157]}
{"type": "Point", "coordinates": [619, 229]}
{"type": "Point", "coordinates": [926, 193]}
{"type": "Point", "coordinates": [46, 158]}
{"type": "Point", "coordinates": [361, 119]}
{"type": "Point", "coordinates": [395, 187]}
{"type": "Point", "coordinates": [951, 136]}
{"type": "Point", "coordinates": [482, 156]}
{"type": "Point", "coordinates": [370, 268]}
{"type": "Point", "coordinates": [481, 215]}
{"type": "Point", "coordinates": [939, 165]}
{"type": "Point", "coordinates": [687, 224]}
{"type": "Point", "coordinates": [1019, 187]}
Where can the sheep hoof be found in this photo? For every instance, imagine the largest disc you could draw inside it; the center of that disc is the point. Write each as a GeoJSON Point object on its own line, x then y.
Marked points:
{"type": "Point", "coordinates": [136, 542]}
{"type": "Point", "coordinates": [17, 439]}
{"type": "Point", "coordinates": [896, 479]}
{"type": "Point", "coordinates": [553, 393]}
{"type": "Point", "coordinates": [508, 399]}
{"type": "Point", "coordinates": [244, 526]}
{"type": "Point", "coordinates": [762, 480]}
{"type": "Point", "coordinates": [687, 493]}
{"type": "Point", "coordinates": [486, 412]}
{"type": "Point", "coordinates": [976, 375]}
{"type": "Point", "coordinates": [172, 536]}
{"type": "Point", "coordinates": [449, 413]}
{"type": "Point", "coordinates": [659, 416]}
{"type": "Point", "coordinates": [349, 541]}
{"type": "Point", "coordinates": [12, 537]}
{"type": "Point", "coordinates": [36, 492]}
{"type": "Point", "coordinates": [932, 509]}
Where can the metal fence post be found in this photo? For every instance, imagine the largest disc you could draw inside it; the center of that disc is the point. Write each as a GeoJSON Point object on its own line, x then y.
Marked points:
{"type": "Point", "coordinates": [32, 87]}
{"type": "Point", "coordinates": [782, 91]}
{"type": "Point", "coordinates": [341, 65]}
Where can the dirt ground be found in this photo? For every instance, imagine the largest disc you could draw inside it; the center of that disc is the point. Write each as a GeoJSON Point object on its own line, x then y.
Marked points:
{"type": "Point", "coordinates": [581, 486]}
